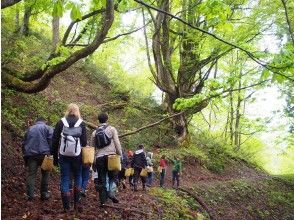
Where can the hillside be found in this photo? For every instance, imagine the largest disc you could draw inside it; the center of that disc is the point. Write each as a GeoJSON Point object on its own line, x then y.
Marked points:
{"type": "Point", "coordinates": [236, 191]}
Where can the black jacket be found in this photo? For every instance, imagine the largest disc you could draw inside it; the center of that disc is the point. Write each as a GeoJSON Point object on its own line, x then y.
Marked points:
{"type": "Point", "coordinates": [139, 159]}
{"type": "Point", "coordinates": [57, 135]}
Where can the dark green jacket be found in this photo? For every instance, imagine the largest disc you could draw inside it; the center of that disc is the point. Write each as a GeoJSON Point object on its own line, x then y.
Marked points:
{"type": "Point", "coordinates": [177, 165]}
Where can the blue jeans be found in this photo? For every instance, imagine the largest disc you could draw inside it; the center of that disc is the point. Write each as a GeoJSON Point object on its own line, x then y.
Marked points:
{"type": "Point", "coordinates": [85, 177]}
{"type": "Point", "coordinates": [149, 179]}
{"type": "Point", "coordinates": [162, 176]}
{"type": "Point", "coordinates": [70, 166]}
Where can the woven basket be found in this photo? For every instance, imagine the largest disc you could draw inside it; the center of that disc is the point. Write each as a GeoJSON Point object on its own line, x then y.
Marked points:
{"type": "Point", "coordinates": [47, 164]}
{"type": "Point", "coordinates": [114, 163]}
{"type": "Point", "coordinates": [144, 172]}
{"type": "Point", "coordinates": [88, 154]}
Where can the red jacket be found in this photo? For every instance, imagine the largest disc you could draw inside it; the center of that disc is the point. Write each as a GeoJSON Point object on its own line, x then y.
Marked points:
{"type": "Point", "coordinates": [162, 163]}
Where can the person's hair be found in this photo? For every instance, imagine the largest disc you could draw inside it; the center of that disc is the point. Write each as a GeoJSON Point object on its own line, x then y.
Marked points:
{"type": "Point", "coordinates": [40, 119]}
{"type": "Point", "coordinates": [73, 109]}
{"type": "Point", "coordinates": [163, 157]}
{"type": "Point", "coordinates": [141, 146]}
{"type": "Point", "coordinates": [102, 117]}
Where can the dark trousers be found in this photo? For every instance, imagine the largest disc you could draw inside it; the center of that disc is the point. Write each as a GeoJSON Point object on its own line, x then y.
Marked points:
{"type": "Point", "coordinates": [137, 171]}
{"type": "Point", "coordinates": [162, 177]}
{"type": "Point", "coordinates": [176, 177]}
{"type": "Point", "coordinates": [149, 178]}
{"type": "Point", "coordinates": [102, 170]}
{"type": "Point", "coordinates": [33, 163]}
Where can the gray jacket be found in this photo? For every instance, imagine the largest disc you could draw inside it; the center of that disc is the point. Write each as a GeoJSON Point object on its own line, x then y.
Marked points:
{"type": "Point", "coordinates": [113, 148]}
{"type": "Point", "coordinates": [37, 140]}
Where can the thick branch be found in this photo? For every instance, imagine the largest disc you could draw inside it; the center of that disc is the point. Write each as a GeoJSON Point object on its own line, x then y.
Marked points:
{"type": "Point", "coordinates": [42, 83]}
{"type": "Point", "coordinates": [91, 14]}
{"type": "Point", "coordinates": [109, 39]}
{"type": "Point", "coordinates": [8, 3]}
{"type": "Point", "coordinates": [250, 54]}
{"type": "Point", "coordinates": [142, 128]}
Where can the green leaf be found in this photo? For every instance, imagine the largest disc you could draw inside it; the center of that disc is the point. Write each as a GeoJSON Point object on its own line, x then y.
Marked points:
{"type": "Point", "coordinates": [75, 13]}
{"type": "Point", "coordinates": [265, 74]}
{"type": "Point", "coordinates": [57, 9]}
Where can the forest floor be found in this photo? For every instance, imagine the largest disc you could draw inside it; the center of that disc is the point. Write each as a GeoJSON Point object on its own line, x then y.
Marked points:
{"type": "Point", "coordinates": [235, 194]}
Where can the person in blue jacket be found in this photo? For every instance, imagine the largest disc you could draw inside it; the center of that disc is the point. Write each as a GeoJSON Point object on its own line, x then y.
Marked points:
{"type": "Point", "coordinates": [36, 144]}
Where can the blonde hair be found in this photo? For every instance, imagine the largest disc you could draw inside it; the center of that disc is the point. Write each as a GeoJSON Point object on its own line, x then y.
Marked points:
{"type": "Point", "coordinates": [73, 109]}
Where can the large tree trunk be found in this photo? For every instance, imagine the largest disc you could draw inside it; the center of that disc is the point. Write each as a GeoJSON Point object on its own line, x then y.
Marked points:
{"type": "Point", "coordinates": [238, 116]}
{"type": "Point", "coordinates": [179, 122]}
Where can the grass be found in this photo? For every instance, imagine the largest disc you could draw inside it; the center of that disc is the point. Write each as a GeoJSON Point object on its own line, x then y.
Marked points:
{"type": "Point", "coordinates": [174, 206]}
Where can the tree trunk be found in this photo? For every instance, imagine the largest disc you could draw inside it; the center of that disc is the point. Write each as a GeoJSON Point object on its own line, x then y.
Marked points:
{"type": "Point", "coordinates": [26, 21]}
{"type": "Point", "coordinates": [55, 33]}
{"type": "Point", "coordinates": [17, 26]}
{"type": "Point", "coordinates": [231, 117]}
{"type": "Point", "coordinates": [238, 116]}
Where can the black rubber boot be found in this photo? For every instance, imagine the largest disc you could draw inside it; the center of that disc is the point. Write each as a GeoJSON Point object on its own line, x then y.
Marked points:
{"type": "Point", "coordinates": [77, 200]}
{"type": "Point", "coordinates": [65, 201]}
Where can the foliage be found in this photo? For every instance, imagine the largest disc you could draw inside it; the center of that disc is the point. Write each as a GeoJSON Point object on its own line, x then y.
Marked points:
{"type": "Point", "coordinates": [175, 207]}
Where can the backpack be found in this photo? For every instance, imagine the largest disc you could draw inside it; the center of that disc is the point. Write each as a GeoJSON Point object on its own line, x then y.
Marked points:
{"type": "Point", "coordinates": [70, 139]}
{"type": "Point", "coordinates": [101, 138]}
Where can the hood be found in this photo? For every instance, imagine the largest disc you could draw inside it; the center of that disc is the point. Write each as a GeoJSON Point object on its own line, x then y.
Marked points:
{"type": "Point", "coordinates": [150, 155]}
{"type": "Point", "coordinates": [139, 151]}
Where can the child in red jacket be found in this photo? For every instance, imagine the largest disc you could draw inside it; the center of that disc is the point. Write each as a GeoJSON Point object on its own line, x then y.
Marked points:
{"type": "Point", "coordinates": [162, 165]}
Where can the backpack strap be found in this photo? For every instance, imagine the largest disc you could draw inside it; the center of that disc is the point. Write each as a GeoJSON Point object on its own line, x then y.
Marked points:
{"type": "Point", "coordinates": [64, 121]}
{"type": "Point", "coordinates": [78, 123]}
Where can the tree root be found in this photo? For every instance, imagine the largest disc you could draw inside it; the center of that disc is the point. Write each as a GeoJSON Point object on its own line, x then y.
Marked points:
{"type": "Point", "coordinates": [210, 212]}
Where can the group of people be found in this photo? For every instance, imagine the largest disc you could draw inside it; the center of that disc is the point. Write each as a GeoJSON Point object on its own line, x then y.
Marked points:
{"type": "Point", "coordinates": [65, 142]}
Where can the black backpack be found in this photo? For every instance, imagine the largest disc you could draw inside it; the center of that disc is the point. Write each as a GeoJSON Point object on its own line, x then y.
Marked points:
{"type": "Point", "coordinates": [101, 138]}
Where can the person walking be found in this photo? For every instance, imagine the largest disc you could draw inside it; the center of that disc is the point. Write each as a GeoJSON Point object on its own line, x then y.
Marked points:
{"type": "Point", "coordinates": [149, 168]}
{"type": "Point", "coordinates": [177, 170]}
{"type": "Point", "coordinates": [139, 162]}
{"type": "Point", "coordinates": [109, 145]}
{"type": "Point", "coordinates": [162, 167]}
{"type": "Point", "coordinates": [68, 138]}
{"type": "Point", "coordinates": [129, 165]}
{"type": "Point", "coordinates": [36, 144]}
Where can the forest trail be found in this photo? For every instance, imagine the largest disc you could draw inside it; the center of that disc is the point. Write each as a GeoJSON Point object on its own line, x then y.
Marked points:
{"type": "Point", "coordinates": [133, 205]}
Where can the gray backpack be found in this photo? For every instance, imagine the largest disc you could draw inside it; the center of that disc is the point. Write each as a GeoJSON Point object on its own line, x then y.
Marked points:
{"type": "Point", "coordinates": [70, 139]}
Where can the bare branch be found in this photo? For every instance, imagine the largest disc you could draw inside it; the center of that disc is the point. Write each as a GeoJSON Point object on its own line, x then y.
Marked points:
{"type": "Point", "coordinates": [288, 20]}
{"type": "Point", "coordinates": [142, 128]}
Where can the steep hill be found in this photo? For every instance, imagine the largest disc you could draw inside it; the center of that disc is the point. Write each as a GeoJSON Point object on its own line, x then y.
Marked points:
{"type": "Point", "coordinates": [239, 191]}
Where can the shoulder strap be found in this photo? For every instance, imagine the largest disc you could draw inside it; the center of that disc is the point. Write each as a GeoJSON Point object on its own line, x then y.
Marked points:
{"type": "Point", "coordinates": [64, 121]}
{"type": "Point", "coordinates": [77, 124]}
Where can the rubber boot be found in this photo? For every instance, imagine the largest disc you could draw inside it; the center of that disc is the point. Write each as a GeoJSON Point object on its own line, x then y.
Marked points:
{"type": "Point", "coordinates": [65, 201]}
{"type": "Point", "coordinates": [77, 200]}
{"type": "Point", "coordinates": [112, 197]}
{"type": "Point", "coordinates": [102, 195]}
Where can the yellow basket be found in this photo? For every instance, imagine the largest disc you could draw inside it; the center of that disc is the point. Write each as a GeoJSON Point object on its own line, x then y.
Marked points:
{"type": "Point", "coordinates": [129, 172]}
{"type": "Point", "coordinates": [88, 155]}
{"type": "Point", "coordinates": [47, 163]}
{"type": "Point", "coordinates": [149, 169]}
{"type": "Point", "coordinates": [114, 163]}
{"type": "Point", "coordinates": [144, 172]}
{"type": "Point", "coordinates": [159, 169]}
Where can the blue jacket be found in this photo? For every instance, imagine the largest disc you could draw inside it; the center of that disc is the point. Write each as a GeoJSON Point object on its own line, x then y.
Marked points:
{"type": "Point", "coordinates": [37, 140]}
